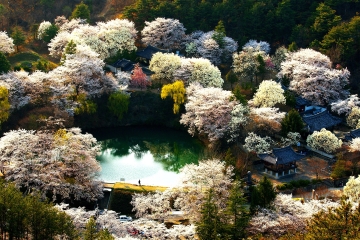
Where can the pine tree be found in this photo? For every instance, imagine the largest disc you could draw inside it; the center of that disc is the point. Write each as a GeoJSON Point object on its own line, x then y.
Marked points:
{"type": "Point", "coordinates": [210, 225]}
{"type": "Point", "coordinates": [4, 64]}
{"type": "Point", "coordinates": [81, 11]}
{"type": "Point", "coordinates": [236, 212]}
{"type": "Point", "coordinates": [90, 230]}
{"type": "Point", "coordinates": [4, 104]}
{"type": "Point", "coordinates": [18, 36]}
{"type": "Point", "coordinates": [262, 195]}
{"type": "Point", "coordinates": [220, 34]}
{"type": "Point", "coordinates": [292, 122]}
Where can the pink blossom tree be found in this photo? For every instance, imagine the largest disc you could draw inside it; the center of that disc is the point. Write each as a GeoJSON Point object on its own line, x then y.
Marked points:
{"type": "Point", "coordinates": [139, 78]}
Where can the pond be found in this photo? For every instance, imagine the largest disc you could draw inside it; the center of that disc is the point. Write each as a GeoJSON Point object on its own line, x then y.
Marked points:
{"type": "Point", "coordinates": [153, 155]}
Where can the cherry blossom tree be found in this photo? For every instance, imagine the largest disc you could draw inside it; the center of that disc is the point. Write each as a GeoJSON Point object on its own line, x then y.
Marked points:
{"type": "Point", "coordinates": [6, 43]}
{"type": "Point", "coordinates": [166, 33]}
{"type": "Point", "coordinates": [323, 140]}
{"type": "Point", "coordinates": [268, 94]}
{"type": "Point", "coordinates": [355, 145]}
{"type": "Point", "coordinates": [249, 63]}
{"type": "Point", "coordinates": [353, 119]}
{"type": "Point", "coordinates": [292, 138]}
{"type": "Point", "coordinates": [288, 216]}
{"type": "Point", "coordinates": [200, 44]}
{"type": "Point", "coordinates": [312, 77]}
{"type": "Point", "coordinates": [265, 121]}
{"type": "Point", "coordinates": [139, 78]}
{"type": "Point", "coordinates": [279, 57]}
{"type": "Point", "coordinates": [106, 39]}
{"type": "Point", "coordinates": [260, 46]}
{"type": "Point", "coordinates": [15, 83]}
{"type": "Point", "coordinates": [61, 164]}
{"type": "Point", "coordinates": [345, 106]}
{"type": "Point", "coordinates": [208, 111]}
{"type": "Point", "coordinates": [255, 143]}
{"type": "Point", "coordinates": [208, 174]}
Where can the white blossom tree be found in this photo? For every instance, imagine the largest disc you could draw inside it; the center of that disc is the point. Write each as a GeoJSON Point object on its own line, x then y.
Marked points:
{"type": "Point", "coordinates": [324, 140]}
{"type": "Point", "coordinates": [352, 189]}
{"type": "Point", "coordinates": [260, 46]}
{"type": "Point", "coordinates": [208, 111]}
{"type": "Point", "coordinates": [268, 94]}
{"type": "Point", "coordinates": [239, 119]}
{"type": "Point", "coordinates": [247, 63]}
{"type": "Point", "coordinates": [196, 179]}
{"type": "Point", "coordinates": [15, 83]}
{"type": "Point", "coordinates": [165, 33]}
{"type": "Point", "coordinates": [6, 43]}
{"type": "Point", "coordinates": [288, 216]}
{"type": "Point", "coordinates": [355, 145]}
{"type": "Point", "coordinates": [200, 44]}
{"type": "Point", "coordinates": [44, 25]}
{"type": "Point", "coordinates": [255, 143]}
{"type": "Point", "coordinates": [353, 119]}
{"type": "Point", "coordinates": [61, 163]}
{"type": "Point", "coordinates": [312, 77]}
{"type": "Point", "coordinates": [164, 65]}
{"type": "Point", "coordinates": [292, 138]}
{"type": "Point", "coordinates": [279, 57]}
{"type": "Point", "coordinates": [199, 70]}
{"type": "Point", "coordinates": [345, 106]}
{"type": "Point", "coordinates": [265, 120]}
{"type": "Point", "coordinates": [104, 38]}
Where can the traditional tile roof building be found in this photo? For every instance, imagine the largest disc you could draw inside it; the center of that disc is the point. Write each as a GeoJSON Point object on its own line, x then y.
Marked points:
{"type": "Point", "coordinates": [318, 118]}
{"type": "Point", "coordinates": [148, 52]}
{"type": "Point", "coordinates": [127, 66]}
{"type": "Point", "coordinates": [281, 162]}
{"type": "Point", "coordinates": [353, 134]}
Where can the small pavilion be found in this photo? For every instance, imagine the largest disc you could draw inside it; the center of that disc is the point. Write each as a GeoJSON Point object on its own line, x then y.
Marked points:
{"type": "Point", "coordinates": [281, 162]}
{"type": "Point", "coordinates": [353, 134]}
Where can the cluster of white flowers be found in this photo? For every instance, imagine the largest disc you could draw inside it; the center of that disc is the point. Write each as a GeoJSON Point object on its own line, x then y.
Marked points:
{"type": "Point", "coordinates": [268, 94]}
{"type": "Point", "coordinates": [166, 33]}
{"type": "Point", "coordinates": [255, 143]}
{"type": "Point", "coordinates": [345, 106]}
{"type": "Point", "coordinates": [208, 111]}
{"type": "Point", "coordinates": [259, 46]}
{"type": "Point", "coordinates": [324, 140]}
{"type": "Point", "coordinates": [292, 138]}
{"type": "Point", "coordinates": [288, 216]}
{"type": "Point", "coordinates": [48, 163]}
{"type": "Point", "coordinates": [42, 28]}
{"type": "Point", "coordinates": [312, 77]}
{"type": "Point", "coordinates": [353, 119]}
{"type": "Point", "coordinates": [352, 189]}
{"type": "Point", "coordinates": [355, 145]}
{"type": "Point", "coordinates": [6, 43]}
{"type": "Point", "coordinates": [171, 67]}
{"type": "Point", "coordinates": [104, 38]}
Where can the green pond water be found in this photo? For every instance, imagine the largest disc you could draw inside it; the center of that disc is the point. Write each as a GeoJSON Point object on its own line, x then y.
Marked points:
{"type": "Point", "coordinates": [151, 154]}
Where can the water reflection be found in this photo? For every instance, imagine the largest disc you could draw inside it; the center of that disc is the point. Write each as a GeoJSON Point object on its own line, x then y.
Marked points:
{"type": "Point", "coordinates": [150, 154]}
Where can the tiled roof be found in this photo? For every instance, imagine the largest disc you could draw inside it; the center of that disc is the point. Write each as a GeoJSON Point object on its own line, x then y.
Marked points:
{"type": "Point", "coordinates": [149, 51]}
{"type": "Point", "coordinates": [353, 134]}
{"type": "Point", "coordinates": [301, 101]}
{"type": "Point", "coordinates": [281, 156]}
{"type": "Point", "coordinates": [124, 65]}
{"type": "Point", "coordinates": [320, 120]}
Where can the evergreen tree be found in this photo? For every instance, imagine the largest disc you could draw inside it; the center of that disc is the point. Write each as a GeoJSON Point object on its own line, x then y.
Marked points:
{"type": "Point", "coordinates": [18, 36]}
{"type": "Point", "coordinates": [81, 11]}
{"type": "Point", "coordinates": [4, 64]}
{"type": "Point", "coordinates": [262, 195]}
{"type": "Point", "coordinates": [50, 33]}
{"type": "Point", "coordinates": [4, 104]}
{"type": "Point", "coordinates": [210, 225]}
{"type": "Point", "coordinates": [90, 230]}
{"type": "Point", "coordinates": [339, 223]}
{"type": "Point", "coordinates": [69, 49]}
{"type": "Point", "coordinates": [292, 122]}
{"type": "Point", "coordinates": [236, 212]}
{"type": "Point", "coordinates": [220, 34]}
{"type": "Point", "coordinates": [231, 78]}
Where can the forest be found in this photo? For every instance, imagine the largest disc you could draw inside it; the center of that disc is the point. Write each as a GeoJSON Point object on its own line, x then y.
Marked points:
{"type": "Point", "coordinates": [231, 73]}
